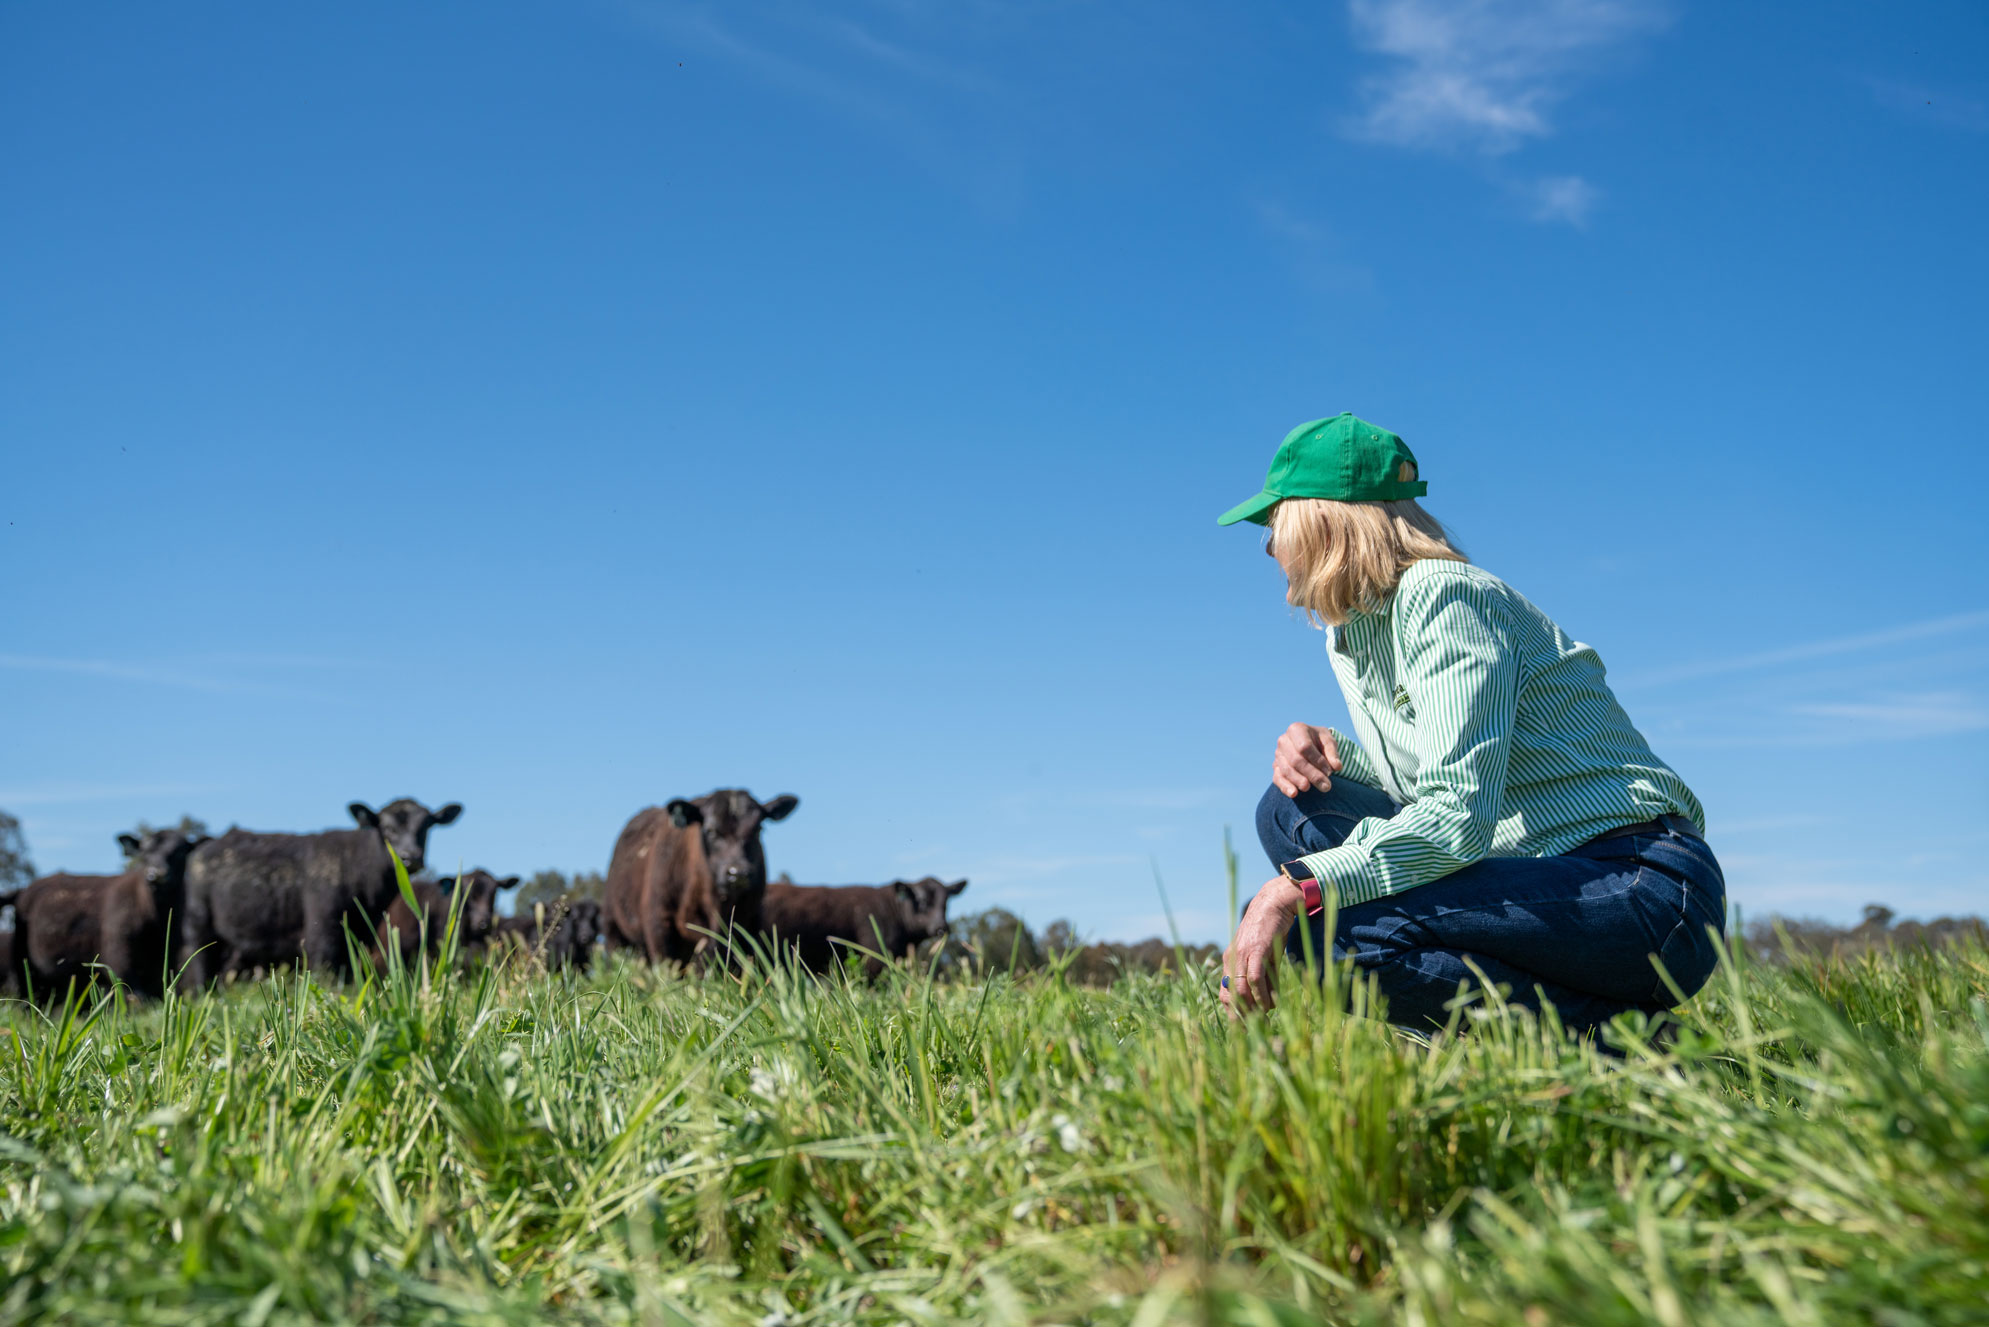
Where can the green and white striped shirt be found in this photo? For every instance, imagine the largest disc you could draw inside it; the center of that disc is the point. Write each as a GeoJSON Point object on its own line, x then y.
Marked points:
{"type": "Point", "coordinates": [1494, 731]}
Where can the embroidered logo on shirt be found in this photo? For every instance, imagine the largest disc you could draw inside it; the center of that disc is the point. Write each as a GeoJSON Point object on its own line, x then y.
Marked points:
{"type": "Point", "coordinates": [1401, 696]}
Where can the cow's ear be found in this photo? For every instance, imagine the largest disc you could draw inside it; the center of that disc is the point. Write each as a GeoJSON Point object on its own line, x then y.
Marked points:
{"type": "Point", "coordinates": [956, 886]}
{"type": "Point", "coordinates": [508, 882]}
{"type": "Point", "coordinates": [130, 843]}
{"type": "Point", "coordinates": [906, 891]}
{"type": "Point", "coordinates": [684, 814]}
{"type": "Point", "coordinates": [367, 817]}
{"type": "Point", "coordinates": [781, 807]}
{"type": "Point", "coordinates": [447, 815]}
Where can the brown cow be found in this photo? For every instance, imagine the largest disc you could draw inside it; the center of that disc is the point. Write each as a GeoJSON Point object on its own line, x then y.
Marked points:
{"type": "Point", "coordinates": [58, 922]}
{"type": "Point", "coordinates": [69, 927]}
{"type": "Point", "coordinates": [824, 924]}
{"type": "Point", "coordinates": [687, 871]}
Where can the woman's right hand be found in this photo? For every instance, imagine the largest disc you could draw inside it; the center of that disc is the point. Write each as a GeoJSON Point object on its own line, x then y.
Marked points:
{"type": "Point", "coordinates": [1251, 960]}
{"type": "Point", "coordinates": [1307, 757]}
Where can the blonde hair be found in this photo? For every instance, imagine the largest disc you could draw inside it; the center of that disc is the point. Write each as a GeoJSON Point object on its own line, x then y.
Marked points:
{"type": "Point", "coordinates": [1348, 557]}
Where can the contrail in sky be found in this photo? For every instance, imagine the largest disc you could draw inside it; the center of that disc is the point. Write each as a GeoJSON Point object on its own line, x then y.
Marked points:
{"type": "Point", "coordinates": [1939, 626]}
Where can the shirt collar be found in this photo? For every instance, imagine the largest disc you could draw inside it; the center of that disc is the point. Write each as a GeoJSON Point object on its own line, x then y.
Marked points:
{"type": "Point", "coordinates": [1360, 628]}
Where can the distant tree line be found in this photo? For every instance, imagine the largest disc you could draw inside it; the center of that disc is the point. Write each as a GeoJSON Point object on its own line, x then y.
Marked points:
{"type": "Point", "coordinates": [999, 940]}
{"type": "Point", "coordinates": [552, 886]}
{"type": "Point", "coordinates": [1778, 939]}
{"type": "Point", "coordinates": [16, 867]}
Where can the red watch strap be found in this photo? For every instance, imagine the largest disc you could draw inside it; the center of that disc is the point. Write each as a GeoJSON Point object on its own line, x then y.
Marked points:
{"type": "Point", "coordinates": [1315, 901]}
{"type": "Point", "coordinates": [1308, 887]}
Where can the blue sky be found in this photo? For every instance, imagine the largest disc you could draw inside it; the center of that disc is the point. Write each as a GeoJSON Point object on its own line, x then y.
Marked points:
{"type": "Point", "coordinates": [561, 407]}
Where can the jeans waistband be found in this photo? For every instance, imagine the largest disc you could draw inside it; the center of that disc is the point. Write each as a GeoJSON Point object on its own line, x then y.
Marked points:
{"type": "Point", "coordinates": [1665, 824]}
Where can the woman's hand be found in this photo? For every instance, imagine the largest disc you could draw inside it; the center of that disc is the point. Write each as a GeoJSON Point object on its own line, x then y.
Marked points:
{"type": "Point", "coordinates": [1259, 939]}
{"type": "Point", "coordinates": [1307, 757]}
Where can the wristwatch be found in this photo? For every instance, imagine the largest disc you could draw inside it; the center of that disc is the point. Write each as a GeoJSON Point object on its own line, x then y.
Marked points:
{"type": "Point", "coordinates": [1301, 875]}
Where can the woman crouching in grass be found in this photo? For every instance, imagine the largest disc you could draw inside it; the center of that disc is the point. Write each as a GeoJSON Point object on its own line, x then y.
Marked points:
{"type": "Point", "coordinates": [1499, 819]}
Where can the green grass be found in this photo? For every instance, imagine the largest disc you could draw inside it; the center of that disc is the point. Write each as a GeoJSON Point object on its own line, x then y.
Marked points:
{"type": "Point", "coordinates": [494, 1144]}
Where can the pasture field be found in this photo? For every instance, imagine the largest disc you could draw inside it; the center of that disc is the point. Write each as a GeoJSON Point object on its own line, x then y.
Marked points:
{"type": "Point", "coordinates": [494, 1145]}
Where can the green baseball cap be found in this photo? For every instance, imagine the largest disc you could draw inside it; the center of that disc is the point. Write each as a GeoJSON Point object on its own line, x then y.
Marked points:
{"type": "Point", "coordinates": [1342, 458]}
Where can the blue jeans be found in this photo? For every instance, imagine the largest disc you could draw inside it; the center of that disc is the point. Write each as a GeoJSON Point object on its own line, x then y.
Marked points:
{"type": "Point", "coordinates": [1577, 931]}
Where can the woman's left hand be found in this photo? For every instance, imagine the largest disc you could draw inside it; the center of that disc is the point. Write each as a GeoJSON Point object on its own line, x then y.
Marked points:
{"type": "Point", "coordinates": [1260, 937]}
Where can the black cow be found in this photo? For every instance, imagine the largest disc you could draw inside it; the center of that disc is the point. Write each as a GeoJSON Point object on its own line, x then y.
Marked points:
{"type": "Point", "coordinates": [403, 929]}
{"type": "Point", "coordinates": [10, 977]}
{"type": "Point", "coordinates": [480, 906]}
{"type": "Point", "coordinates": [261, 900]}
{"type": "Point", "coordinates": [83, 926]}
{"type": "Point", "coordinates": [143, 906]}
{"type": "Point", "coordinates": [687, 870]}
{"type": "Point", "coordinates": [562, 934]}
{"type": "Point", "coordinates": [821, 923]}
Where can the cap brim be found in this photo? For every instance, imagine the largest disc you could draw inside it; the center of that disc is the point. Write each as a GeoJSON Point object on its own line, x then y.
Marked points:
{"type": "Point", "coordinates": [1256, 511]}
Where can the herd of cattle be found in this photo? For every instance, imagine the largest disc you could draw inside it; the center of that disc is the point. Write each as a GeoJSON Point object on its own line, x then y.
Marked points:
{"type": "Point", "coordinates": [688, 882]}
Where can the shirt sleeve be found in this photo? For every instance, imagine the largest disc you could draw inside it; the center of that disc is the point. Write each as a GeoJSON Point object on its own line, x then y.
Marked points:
{"type": "Point", "coordinates": [1455, 659]}
{"type": "Point", "coordinates": [1354, 762]}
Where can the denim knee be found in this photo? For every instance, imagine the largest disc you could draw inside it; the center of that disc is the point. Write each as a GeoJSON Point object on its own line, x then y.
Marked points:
{"type": "Point", "coordinates": [1293, 827]}
{"type": "Point", "coordinates": [1275, 818]}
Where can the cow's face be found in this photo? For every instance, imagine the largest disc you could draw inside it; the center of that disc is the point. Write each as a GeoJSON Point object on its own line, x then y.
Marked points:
{"type": "Point", "coordinates": [583, 923]}
{"type": "Point", "coordinates": [480, 903]}
{"type": "Point", "coordinates": [924, 902]}
{"type": "Point", "coordinates": [162, 855]}
{"type": "Point", "coordinates": [730, 821]}
{"type": "Point", "coordinates": [405, 825]}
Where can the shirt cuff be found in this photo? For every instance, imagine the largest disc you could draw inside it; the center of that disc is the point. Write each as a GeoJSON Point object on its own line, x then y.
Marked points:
{"type": "Point", "coordinates": [1351, 886]}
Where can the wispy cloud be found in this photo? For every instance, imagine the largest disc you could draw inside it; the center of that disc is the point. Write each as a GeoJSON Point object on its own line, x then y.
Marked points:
{"type": "Point", "coordinates": [698, 28]}
{"type": "Point", "coordinates": [919, 64]}
{"type": "Point", "coordinates": [1002, 870]}
{"type": "Point", "coordinates": [950, 118]}
{"type": "Point", "coordinates": [1938, 626]}
{"type": "Point", "coordinates": [1314, 250]}
{"type": "Point", "coordinates": [214, 678]}
{"type": "Point", "coordinates": [70, 794]}
{"type": "Point", "coordinates": [1035, 801]}
{"type": "Point", "coordinates": [1771, 824]}
{"type": "Point", "coordinates": [1164, 799]}
{"type": "Point", "coordinates": [1482, 75]}
{"type": "Point", "coordinates": [112, 670]}
{"type": "Point", "coordinates": [1564, 198]}
{"type": "Point", "coordinates": [1935, 714]}
{"type": "Point", "coordinates": [1947, 110]}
